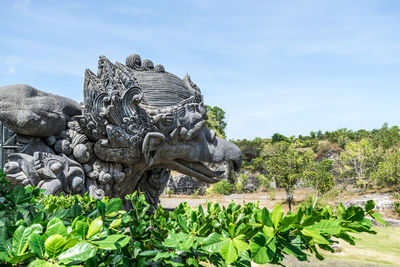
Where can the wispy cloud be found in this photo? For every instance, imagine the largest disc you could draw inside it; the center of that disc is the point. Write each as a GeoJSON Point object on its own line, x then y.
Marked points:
{"type": "Point", "coordinates": [9, 65]}
{"type": "Point", "coordinates": [22, 5]}
{"type": "Point", "coordinates": [271, 65]}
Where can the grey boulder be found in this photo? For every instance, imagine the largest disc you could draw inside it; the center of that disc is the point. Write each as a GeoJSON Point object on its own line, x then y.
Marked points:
{"type": "Point", "coordinates": [28, 111]}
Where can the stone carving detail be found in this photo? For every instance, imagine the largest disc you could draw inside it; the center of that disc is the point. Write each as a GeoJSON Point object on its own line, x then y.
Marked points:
{"type": "Point", "coordinates": [136, 123]}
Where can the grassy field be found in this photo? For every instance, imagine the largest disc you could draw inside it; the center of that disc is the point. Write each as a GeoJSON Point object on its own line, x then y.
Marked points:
{"type": "Point", "coordinates": [382, 249]}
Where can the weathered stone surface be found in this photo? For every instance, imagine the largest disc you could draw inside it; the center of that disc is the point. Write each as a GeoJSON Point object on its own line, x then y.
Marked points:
{"type": "Point", "coordinates": [382, 201]}
{"type": "Point", "coordinates": [28, 111]}
{"type": "Point", "coordinates": [251, 184]}
{"type": "Point", "coordinates": [137, 122]}
{"type": "Point", "coordinates": [185, 185]}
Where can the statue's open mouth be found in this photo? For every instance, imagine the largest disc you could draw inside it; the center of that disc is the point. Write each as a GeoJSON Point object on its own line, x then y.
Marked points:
{"type": "Point", "coordinates": [196, 169]}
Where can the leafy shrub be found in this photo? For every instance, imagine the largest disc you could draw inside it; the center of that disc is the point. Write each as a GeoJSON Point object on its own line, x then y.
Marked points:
{"type": "Point", "coordinates": [263, 182]}
{"type": "Point", "coordinates": [311, 201]}
{"type": "Point", "coordinates": [104, 235]}
{"type": "Point", "coordinates": [396, 207]}
{"type": "Point", "coordinates": [388, 171]}
{"type": "Point", "coordinates": [223, 187]}
{"type": "Point", "coordinates": [272, 195]}
{"type": "Point", "coordinates": [240, 183]}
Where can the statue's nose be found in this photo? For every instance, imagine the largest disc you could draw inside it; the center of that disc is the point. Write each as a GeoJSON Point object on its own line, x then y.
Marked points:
{"type": "Point", "coordinates": [215, 149]}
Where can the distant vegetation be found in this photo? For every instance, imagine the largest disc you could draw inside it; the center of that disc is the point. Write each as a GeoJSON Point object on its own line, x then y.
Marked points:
{"type": "Point", "coordinates": [370, 159]}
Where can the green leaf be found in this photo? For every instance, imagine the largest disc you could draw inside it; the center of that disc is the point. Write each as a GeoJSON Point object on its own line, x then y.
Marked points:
{"type": "Point", "coordinates": [94, 227]}
{"type": "Point", "coordinates": [108, 243]}
{"type": "Point", "coordinates": [36, 244]}
{"type": "Point", "coordinates": [20, 239]}
{"type": "Point", "coordinates": [288, 221]}
{"type": "Point", "coordinates": [187, 243]}
{"type": "Point", "coordinates": [18, 194]}
{"type": "Point", "coordinates": [294, 250]}
{"type": "Point", "coordinates": [340, 210]}
{"type": "Point", "coordinates": [82, 228]}
{"type": "Point", "coordinates": [174, 239]}
{"type": "Point", "coordinates": [115, 223]}
{"type": "Point", "coordinates": [240, 245]}
{"type": "Point", "coordinates": [326, 226]}
{"type": "Point", "coordinates": [36, 228]}
{"type": "Point", "coordinates": [213, 243]}
{"type": "Point", "coordinates": [42, 263]}
{"type": "Point", "coordinates": [228, 252]}
{"type": "Point", "coordinates": [262, 248]}
{"type": "Point", "coordinates": [54, 245]}
{"type": "Point", "coordinates": [348, 238]}
{"type": "Point", "coordinates": [182, 223]}
{"type": "Point", "coordinates": [4, 252]}
{"type": "Point", "coordinates": [354, 213]}
{"type": "Point", "coordinates": [266, 219]}
{"type": "Point", "coordinates": [55, 226]}
{"type": "Point", "coordinates": [277, 214]}
{"type": "Point", "coordinates": [17, 259]}
{"type": "Point", "coordinates": [70, 243]}
{"type": "Point", "coordinates": [268, 231]}
{"type": "Point", "coordinates": [113, 205]}
{"type": "Point", "coordinates": [100, 207]}
{"type": "Point", "coordinates": [369, 205]}
{"type": "Point", "coordinates": [79, 253]}
{"type": "Point", "coordinates": [316, 237]}
{"type": "Point", "coordinates": [378, 218]}
{"type": "Point", "coordinates": [231, 229]}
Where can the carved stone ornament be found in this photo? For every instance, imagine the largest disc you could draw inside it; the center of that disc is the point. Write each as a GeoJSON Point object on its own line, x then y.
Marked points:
{"type": "Point", "coordinates": [136, 123]}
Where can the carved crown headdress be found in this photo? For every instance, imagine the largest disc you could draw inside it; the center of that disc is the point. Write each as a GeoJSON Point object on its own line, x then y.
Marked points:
{"type": "Point", "coordinates": [127, 101]}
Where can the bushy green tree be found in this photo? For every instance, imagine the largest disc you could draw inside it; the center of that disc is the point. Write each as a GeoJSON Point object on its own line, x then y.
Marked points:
{"type": "Point", "coordinates": [216, 120]}
{"type": "Point", "coordinates": [319, 178]}
{"type": "Point", "coordinates": [388, 171]}
{"type": "Point", "coordinates": [386, 137]}
{"type": "Point", "coordinates": [360, 158]}
{"type": "Point", "coordinates": [250, 148]}
{"type": "Point", "coordinates": [287, 166]}
{"type": "Point", "coordinates": [279, 138]}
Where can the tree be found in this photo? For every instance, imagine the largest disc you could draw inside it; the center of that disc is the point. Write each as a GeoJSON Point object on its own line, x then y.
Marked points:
{"type": "Point", "coordinates": [360, 158]}
{"type": "Point", "coordinates": [250, 148]}
{"type": "Point", "coordinates": [388, 171]}
{"type": "Point", "coordinates": [386, 137]}
{"type": "Point", "coordinates": [319, 178]}
{"type": "Point", "coordinates": [287, 166]}
{"type": "Point", "coordinates": [279, 138]}
{"type": "Point", "coordinates": [216, 120]}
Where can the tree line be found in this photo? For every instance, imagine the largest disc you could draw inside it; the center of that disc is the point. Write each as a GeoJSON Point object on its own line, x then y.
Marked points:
{"type": "Point", "coordinates": [370, 158]}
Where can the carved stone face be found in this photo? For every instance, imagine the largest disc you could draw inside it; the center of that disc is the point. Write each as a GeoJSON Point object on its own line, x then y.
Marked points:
{"type": "Point", "coordinates": [148, 119]}
{"type": "Point", "coordinates": [137, 122]}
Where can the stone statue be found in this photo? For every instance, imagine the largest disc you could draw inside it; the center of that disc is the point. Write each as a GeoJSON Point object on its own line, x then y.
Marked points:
{"type": "Point", "coordinates": [136, 123]}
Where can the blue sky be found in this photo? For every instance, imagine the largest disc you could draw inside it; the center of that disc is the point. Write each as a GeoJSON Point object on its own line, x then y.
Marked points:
{"type": "Point", "coordinates": [274, 66]}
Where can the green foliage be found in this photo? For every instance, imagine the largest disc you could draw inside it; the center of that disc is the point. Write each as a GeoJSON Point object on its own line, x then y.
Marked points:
{"type": "Point", "coordinates": [240, 182]}
{"type": "Point", "coordinates": [388, 171]}
{"type": "Point", "coordinates": [361, 159]}
{"type": "Point", "coordinates": [216, 120]}
{"type": "Point", "coordinates": [223, 187]}
{"type": "Point", "coordinates": [319, 178]}
{"type": "Point", "coordinates": [386, 137]}
{"type": "Point", "coordinates": [287, 166]}
{"type": "Point", "coordinates": [104, 235]}
{"type": "Point", "coordinates": [276, 138]}
{"type": "Point", "coordinates": [263, 182]}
